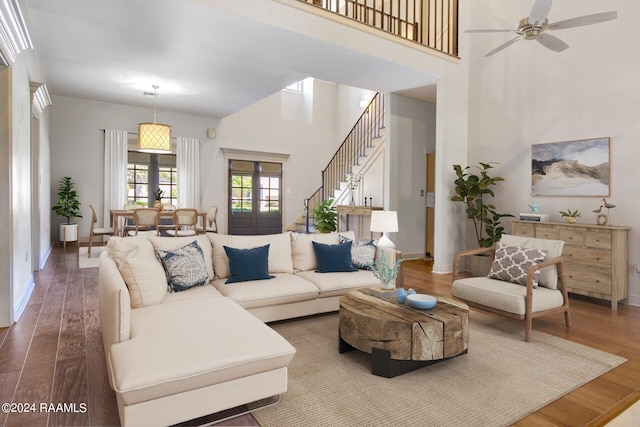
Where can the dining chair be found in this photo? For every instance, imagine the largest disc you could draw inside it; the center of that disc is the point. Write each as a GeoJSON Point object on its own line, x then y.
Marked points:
{"type": "Point", "coordinates": [128, 223]}
{"type": "Point", "coordinates": [184, 222]}
{"type": "Point", "coordinates": [97, 231]}
{"type": "Point", "coordinates": [146, 221]}
{"type": "Point", "coordinates": [211, 225]}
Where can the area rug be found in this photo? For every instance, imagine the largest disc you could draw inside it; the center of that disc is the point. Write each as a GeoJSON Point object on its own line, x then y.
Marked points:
{"type": "Point", "coordinates": [501, 380]}
{"type": "Point", "coordinates": [83, 258]}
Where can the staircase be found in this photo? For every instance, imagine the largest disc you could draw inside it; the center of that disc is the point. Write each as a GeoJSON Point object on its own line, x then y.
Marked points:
{"type": "Point", "coordinates": [354, 156]}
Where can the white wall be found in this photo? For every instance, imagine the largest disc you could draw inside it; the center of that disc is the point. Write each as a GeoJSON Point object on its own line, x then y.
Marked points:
{"type": "Point", "coordinates": [261, 127]}
{"type": "Point", "coordinates": [412, 135]}
{"type": "Point", "coordinates": [77, 146]}
{"type": "Point", "coordinates": [16, 275]}
{"type": "Point", "coordinates": [528, 95]}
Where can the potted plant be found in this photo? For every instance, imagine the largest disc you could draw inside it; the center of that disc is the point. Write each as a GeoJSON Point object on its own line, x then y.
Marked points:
{"type": "Point", "coordinates": [473, 189]}
{"type": "Point", "coordinates": [325, 215]}
{"type": "Point", "coordinates": [157, 196]}
{"type": "Point", "coordinates": [570, 216]}
{"type": "Point", "coordinates": [68, 206]}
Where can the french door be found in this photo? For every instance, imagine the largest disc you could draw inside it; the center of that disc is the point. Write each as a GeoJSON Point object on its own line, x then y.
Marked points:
{"type": "Point", "coordinates": [255, 197]}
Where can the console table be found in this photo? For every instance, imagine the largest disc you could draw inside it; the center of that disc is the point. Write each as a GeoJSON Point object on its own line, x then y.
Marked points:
{"type": "Point", "coordinates": [360, 211]}
{"type": "Point", "coordinates": [596, 256]}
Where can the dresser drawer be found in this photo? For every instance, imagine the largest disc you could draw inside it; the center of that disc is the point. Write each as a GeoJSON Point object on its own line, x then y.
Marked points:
{"type": "Point", "coordinates": [550, 233]}
{"type": "Point", "coordinates": [587, 279]}
{"type": "Point", "coordinates": [526, 230]}
{"type": "Point", "coordinates": [571, 236]}
{"type": "Point", "coordinates": [588, 257]}
{"type": "Point", "coordinates": [598, 239]}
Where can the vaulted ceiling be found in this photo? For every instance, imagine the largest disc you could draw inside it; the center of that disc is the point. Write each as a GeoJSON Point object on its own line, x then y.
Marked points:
{"type": "Point", "coordinates": [206, 61]}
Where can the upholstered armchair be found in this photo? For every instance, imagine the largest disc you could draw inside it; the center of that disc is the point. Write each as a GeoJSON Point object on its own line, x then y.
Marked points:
{"type": "Point", "coordinates": [526, 280]}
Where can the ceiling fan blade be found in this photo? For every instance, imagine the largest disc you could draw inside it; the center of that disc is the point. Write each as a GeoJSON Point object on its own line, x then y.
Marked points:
{"type": "Point", "coordinates": [552, 42]}
{"type": "Point", "coordinates": [491, 31]}
{"type": "Point", "coordinates": [503, 46]}
{"type": "Point", "coordinates": [539, 11]}
{"type": "Point", "coordinates": [584, 20]}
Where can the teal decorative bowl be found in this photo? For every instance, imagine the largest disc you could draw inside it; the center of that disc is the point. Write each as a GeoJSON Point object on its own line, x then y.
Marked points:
{"type": "Point", "coordinates": [421, 301]}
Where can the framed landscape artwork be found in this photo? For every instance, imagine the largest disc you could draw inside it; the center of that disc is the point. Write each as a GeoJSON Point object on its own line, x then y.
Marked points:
{"type": "Point", "coordinates": [571, 168]}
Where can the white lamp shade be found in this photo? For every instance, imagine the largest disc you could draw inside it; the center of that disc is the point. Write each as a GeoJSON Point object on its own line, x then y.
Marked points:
{"type": "Point", "coordinates": [384, 221]}
{"type": "Point", "coordinates": [154, 138]}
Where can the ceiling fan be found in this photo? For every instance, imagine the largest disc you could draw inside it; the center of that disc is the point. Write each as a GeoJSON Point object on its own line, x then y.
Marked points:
{"type": "Point", "coordinates": [536, 25]}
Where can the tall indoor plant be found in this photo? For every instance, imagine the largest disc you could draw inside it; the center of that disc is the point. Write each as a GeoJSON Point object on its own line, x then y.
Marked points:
{"type": "Point", "coordinates": [68, 206]}
{"type": "Point", "coordinates": [473, 189]}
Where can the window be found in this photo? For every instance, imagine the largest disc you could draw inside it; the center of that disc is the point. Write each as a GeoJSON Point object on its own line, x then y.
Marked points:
{"type": "Point", "coordinates": [242, 186]}
{"type": "Point", "coordinates": [270, 175]}
{"type": "Point", "coordinates": [147, 172]}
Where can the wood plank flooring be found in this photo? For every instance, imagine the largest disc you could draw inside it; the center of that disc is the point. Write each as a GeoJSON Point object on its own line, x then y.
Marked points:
{"type": "Point", "coordinates": [54, 353]}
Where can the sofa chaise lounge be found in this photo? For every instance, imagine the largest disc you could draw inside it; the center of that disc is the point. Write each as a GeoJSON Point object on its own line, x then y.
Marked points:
{"type": "Point", "coordinates": [176, 356]}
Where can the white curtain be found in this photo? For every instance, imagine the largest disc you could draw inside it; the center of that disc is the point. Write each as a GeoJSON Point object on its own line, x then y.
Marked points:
{"type": "Point", "coordinates": [115, 171]}
{"type": "Point", "coordinates": [188, 164]}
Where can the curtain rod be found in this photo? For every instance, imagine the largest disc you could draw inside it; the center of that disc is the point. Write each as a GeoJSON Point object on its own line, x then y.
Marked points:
{"type": "Point", "coordinates": [135, 134]}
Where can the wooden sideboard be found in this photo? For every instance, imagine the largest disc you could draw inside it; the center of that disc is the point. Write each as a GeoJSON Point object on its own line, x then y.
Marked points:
{"type": "Point", "coordinates": [360, 211]}
{"type": "Point", "coordinates": [596, 256]}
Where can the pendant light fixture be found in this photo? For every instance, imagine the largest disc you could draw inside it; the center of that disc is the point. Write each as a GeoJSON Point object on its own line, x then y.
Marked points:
{"type": "Point", "coordinates": [154, 137]}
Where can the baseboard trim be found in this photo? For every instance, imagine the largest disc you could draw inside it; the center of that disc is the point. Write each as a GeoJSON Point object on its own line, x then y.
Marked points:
{"type": "Point", "coordinates": [19, 308]}
{"type": "Point", "coordinates": [44, 257]}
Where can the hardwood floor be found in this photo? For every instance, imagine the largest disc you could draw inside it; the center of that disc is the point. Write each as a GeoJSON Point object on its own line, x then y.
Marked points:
{"type": "Point", "coordinates": [54, 353]}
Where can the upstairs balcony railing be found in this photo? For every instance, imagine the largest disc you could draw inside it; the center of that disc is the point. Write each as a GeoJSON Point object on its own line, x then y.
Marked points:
{"type": "Point", "coordinates": [432, 23]}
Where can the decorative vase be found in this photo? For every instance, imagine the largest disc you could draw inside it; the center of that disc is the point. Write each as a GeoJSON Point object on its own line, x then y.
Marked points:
{"type": "Point", "coordinates": [570, 219]}
{"type": "Point", "coordinates": [387, 285]}
{"type": "Point", "coordinates": [158, 205]}
{"type": "Point", "coordinates": [352, 200]}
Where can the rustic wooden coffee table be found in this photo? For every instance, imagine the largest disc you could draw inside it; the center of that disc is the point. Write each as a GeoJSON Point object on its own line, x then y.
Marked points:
{"type": "Point", "coordinates": [399, 338]}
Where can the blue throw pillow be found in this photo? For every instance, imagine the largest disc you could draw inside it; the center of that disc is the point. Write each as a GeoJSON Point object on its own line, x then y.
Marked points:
{"type": "Point", "coordinates": [248, 264]}
{"type": "Point", "coordinates": [333, 258]}
{"type": "Point", "coordinates": [185, 267]}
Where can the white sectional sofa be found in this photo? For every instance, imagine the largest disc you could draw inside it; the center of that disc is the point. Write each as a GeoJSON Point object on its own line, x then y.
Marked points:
{"type": "Point", "coordinates": [176, 356]}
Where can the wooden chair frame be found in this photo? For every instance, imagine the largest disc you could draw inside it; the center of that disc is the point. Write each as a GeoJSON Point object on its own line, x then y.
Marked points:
{"type": "Point", "coordinates": [96, 231]}
{"type": "Point", "coordinates": [140, 225]}
{"type": "Point", "coordinates": [529, 314]}
{"type": "Point", "coordinates": [178, 222]}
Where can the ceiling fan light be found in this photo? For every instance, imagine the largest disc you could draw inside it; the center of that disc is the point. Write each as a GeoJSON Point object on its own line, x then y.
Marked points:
{"type": "Point", "coordinates": [154, 138]}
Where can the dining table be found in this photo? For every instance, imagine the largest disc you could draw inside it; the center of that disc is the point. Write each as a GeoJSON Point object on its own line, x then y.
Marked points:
{"type": "Point", "coordinates": [116, 214]}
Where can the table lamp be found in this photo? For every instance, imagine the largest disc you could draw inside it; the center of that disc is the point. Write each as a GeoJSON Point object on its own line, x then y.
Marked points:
{"type": "Point", "coordinates": [384, 222]}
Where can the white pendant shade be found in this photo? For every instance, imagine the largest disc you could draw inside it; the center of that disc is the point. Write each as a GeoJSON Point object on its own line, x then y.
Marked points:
{"type": "Point", "coordinates": [154, 138]}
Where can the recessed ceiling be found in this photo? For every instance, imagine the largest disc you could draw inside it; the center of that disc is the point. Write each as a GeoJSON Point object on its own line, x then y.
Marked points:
{"type": "Point", "coordinates": [206, 61]}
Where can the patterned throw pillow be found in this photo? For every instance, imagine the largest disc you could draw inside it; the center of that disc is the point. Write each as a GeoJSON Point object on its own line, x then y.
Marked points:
{"type": "Point", "coordinates": [512, 263]}
{"type": "Point", "coordinates": [363, 252]}
{"type": "Point", "coordinates": [185, 267]}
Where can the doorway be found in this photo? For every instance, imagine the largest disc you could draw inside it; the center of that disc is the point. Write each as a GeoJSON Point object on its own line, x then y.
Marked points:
{"type": "Point", "coordinates": [255, 197]}
{"type": "Point", "coordinates": [430, 204]}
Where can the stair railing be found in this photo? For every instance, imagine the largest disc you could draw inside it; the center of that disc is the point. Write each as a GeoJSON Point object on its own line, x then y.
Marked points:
{"type": "Point", "coordinates": [348, 154]}
{"type": "Point", "coordinates": [357, 141]}
{"type": "Point", "coordinates": [432, 23]}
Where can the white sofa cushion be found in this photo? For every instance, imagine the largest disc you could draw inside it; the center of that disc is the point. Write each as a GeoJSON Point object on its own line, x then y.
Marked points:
{"type": "Point", "coordinates": [304, 257]}
{"type": "Point", "coordinates": [548, 275]}
{"type": "Point", "coordinates": [196, 292]}
{"type": "Point", "coordinates": [279, 251]}
{"type": "Point", "coordinates": [334, 284]}
{"type": "Point", "coordinates": [282, 289]}
{"type": "Point", "coordinates": [173, 243]}
{"type": "Point", "coordinates": [505, 296]}
{"type": "Point", "coordinates": [168, 354]}
{"type": "Point", "coordinates": [140, 268]}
